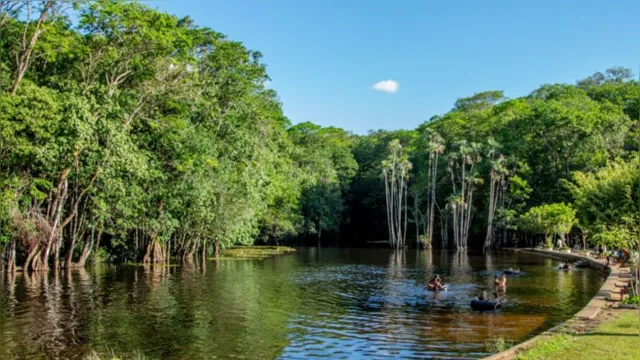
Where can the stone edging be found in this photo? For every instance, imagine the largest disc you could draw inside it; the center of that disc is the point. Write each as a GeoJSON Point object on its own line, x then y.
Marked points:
{"type": "Point", "coordinates": [590, 311]}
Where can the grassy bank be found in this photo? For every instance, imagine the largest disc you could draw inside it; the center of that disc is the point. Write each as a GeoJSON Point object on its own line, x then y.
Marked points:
{"type": "Point", "coordinates": [110, 355]}
{"type": "Point", "coordinates": [615, 339]}
{"type": "Point", "coordinates": [254, 252]}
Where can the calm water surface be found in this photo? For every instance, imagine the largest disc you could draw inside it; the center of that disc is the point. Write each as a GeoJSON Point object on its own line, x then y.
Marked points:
{"type": "Point", "coordinates": [328, 303]}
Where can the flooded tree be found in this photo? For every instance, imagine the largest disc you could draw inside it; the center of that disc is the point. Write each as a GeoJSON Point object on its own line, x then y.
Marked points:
{"type": "Point", "coordinates": [435, 148]}
{"type": "Point", "coordinates": [463, 171]}
{"type": "Point", "coordinates": [395, 172]}
{"type": "Point", "coordinates": [497, 187]}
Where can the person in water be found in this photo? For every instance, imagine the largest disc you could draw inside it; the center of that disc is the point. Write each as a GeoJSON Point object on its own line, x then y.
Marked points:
{"type": "Point", "coordinates": [500, 282]}
{"type": "Point", "coordinates": [564, 266]}
{"type": "Point", "coordinates": [435, 284]}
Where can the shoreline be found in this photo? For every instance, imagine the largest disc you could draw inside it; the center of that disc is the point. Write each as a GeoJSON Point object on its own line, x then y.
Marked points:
{"type": "Point", "coordinates": [588, 312]}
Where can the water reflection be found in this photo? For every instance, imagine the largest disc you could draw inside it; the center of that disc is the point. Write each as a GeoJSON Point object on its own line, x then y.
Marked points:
{"type": "Point", "coordinates": [336, 303]}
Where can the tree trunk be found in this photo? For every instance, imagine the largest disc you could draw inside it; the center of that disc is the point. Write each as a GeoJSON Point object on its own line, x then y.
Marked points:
{"type": "Point", "coordinates": [432, 203]}
{"type": "Point", "coordinates": [404, 232]}
{"type": "Point", "coordinates": [192, 250]}
{"type": "Point", "coordinates": [27, 49]}
{"type": "Point", "coordinates": [61, 193]}
{"type": "Point", "coordinates": [147, 255]}
{"type": "Point", "coordinates": [488, 242]}
{"type": "Point", "coordinates": [75, 225]}
{"type": "Point", "coordinates": [30, 257]}
{"type": "Point", "coordinates": [36, 261]}
{"type": "Point", "coordinates": [44, 256]}
{"type": "Point", "coordinates": [88, 247]}
{"type": "Point", "coordinates": [216, 248]}
{"type": "Point", "coordinates": [56, 253]}
{"type": "Point", "coordinates": [388, 202]}
{"type": "Point", "coordinates": [11, 257]}
{"type": "Point", "coordinates": [158, 253]}
{"type": "Point", "coordinates": [86, 250]}
{"type": "Point", "coordinates": [154, 253]}
{"type": "Point", "coordinates": [416, 216]}
{"type": "Point", "coordinates": [394, 235]}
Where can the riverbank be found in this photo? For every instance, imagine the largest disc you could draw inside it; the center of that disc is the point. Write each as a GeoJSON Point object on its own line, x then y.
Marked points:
{"type": "Point", "coordinates": [614, 335]}
{"type": "Point", "coordinates": [253, 252]}
{"type": "Point", "coordinates": [553, 343]}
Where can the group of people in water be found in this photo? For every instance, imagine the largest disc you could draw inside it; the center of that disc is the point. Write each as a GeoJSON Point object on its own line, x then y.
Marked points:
{"type": "Point", "coordinates": [499, 282]}
{"type": "Point", "coordinates": [484, 301]}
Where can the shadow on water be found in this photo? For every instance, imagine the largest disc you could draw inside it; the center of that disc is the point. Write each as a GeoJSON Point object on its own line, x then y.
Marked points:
{"type": "Point", "coordinates": [332, 303]}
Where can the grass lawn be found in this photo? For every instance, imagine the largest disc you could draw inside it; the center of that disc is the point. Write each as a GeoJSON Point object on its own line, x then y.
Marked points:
{"type": "Point", "coordinates": [253, 252]}
{"type": "Point", "coordinates": [617, 339]}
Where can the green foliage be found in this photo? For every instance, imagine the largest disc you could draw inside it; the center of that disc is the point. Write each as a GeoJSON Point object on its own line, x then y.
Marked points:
{"type": "Point", "coordinates": [151, 129]}
{"type": "Point", "coordinates": [168, 130]}
{"type": "Point", "coordinates": [255, 252]}
{"type": "Point", "coordinates": [549, 220]}
{"type": "Point", "coordinates": [608, 202]}
{"type": "Point", "coordinates": [480, 101]}
{"type": "Point", "coordinates": [498, 345]}
{"type": "Point", "coordinates": [325, 166]}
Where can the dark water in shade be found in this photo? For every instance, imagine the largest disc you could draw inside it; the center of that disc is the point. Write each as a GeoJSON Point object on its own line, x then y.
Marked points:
{"type": "Point", "coordinates": [332, 303]}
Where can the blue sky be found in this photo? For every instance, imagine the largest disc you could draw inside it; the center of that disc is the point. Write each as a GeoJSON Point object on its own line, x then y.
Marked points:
{"type": "Point", "coordinates": [324, 56]}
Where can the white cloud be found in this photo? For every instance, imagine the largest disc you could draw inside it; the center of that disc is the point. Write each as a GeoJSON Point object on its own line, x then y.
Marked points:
{"type": "Point", "coordinates": [389, 86]}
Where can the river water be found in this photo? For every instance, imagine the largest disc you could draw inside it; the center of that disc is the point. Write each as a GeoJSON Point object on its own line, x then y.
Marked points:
{"type": "Point", "coordinates": [330, 303]}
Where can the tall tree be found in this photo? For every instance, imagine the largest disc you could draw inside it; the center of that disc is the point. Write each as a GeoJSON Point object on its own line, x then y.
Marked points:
{"type": "Point", "coordinates": [435, 147]}
{"type": "Point", "coordinates": [395, 171]}
{"type": "Point", "coordinates": [463, 171]}
{"type": "Point", "coordinates": [497, 184]}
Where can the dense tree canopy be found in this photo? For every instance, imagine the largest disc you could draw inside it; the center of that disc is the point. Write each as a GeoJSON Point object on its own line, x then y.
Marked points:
{"type": "Point", "coordinates": [151, 137]}
{"type": "Point", "coordinates": [141, 134]}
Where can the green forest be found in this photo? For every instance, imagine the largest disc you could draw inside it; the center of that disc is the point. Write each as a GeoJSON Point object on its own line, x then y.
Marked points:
{"type": "Point", "coordinates": [132, 135]}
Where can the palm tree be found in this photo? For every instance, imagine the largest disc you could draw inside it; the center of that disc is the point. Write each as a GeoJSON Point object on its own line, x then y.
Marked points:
{"type": "Point", "coordinates": [462, 168]}
{"type": "Point", "coordinates": [395, 171]}
{"type": "Point", "coordinates": [435, 147]}
{"type": "Point", "coordinates": [496, 177]}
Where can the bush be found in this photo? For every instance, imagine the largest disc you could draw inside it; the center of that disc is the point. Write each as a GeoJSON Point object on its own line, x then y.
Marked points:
{"type": "Point", "coordinates": [498, 345]}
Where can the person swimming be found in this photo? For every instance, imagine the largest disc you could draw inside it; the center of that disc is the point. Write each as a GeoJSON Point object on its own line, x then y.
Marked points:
{"type": "Point", "coordinates": [434, 283]}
